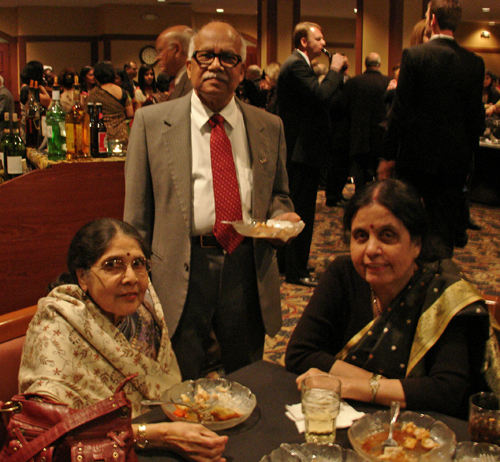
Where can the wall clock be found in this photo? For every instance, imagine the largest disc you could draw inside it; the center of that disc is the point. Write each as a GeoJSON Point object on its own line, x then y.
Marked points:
{"type": "Point", "coordinates": [147, 55]}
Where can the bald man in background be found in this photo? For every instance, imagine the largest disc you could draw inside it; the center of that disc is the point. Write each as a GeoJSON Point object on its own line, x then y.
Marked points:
{"type": "Point", "coordinates": [172, 50]}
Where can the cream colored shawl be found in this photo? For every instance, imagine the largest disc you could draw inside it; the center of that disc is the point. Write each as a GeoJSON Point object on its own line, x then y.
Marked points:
{"type": "Point", "coordinates": [74, 354]}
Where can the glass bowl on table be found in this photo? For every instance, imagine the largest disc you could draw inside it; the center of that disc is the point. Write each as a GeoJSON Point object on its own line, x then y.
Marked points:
{"type": "Point", "coordinates": [367, 434]}
{"type": "Point", "coordinates": [469, 451]}
{"type": "Point", "coordinates": [315, 452]}
{"type": "Point", "coordinates": [220, 403]}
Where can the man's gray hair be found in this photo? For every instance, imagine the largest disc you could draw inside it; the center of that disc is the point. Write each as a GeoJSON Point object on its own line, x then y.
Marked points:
{"type": "Point", "coordinates": [243, 52]}
{"type": "Point", "coordinates": [183, 37]}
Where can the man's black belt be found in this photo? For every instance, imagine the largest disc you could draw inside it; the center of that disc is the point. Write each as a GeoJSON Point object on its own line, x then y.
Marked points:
{"type": "Point", "coordinates": [206, 241]}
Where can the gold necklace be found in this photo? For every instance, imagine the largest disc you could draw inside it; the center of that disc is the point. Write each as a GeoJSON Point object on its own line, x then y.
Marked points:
{"type": "Point", "coordinates": [375, 305]}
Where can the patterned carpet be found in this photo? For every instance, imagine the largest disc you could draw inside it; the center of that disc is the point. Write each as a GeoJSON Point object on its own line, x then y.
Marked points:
{"type": "Point", "coordinates": [479, 261]}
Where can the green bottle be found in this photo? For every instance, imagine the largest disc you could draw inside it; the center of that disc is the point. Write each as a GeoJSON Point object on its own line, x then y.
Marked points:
{"type": "Point", "coordinates": [5, 143]}
{"type": "Point", "coordinates": [56, 126]}
{"type": "Point", "coordinates": [15, 153]}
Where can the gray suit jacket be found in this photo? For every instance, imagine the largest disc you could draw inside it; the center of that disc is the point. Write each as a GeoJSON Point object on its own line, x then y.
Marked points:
{"type": "Point", "coordinates": [158, 198]}
{"type": "Point", "coordinates": [182, 88]}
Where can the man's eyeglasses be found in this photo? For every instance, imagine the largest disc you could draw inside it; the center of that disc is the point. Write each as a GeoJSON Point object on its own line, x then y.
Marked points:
{"type": "Point", "coordinates": [226, 58]}
{"type": "Point", "coordinates": [117, 267]}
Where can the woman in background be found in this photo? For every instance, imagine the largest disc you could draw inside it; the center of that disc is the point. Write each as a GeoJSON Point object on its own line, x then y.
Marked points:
{"type": "Point", "coordinates": [146, 92]}
{"type": "Point", "coordinates": [66, 80]}
{"type": "Point", "coordinates": [116, 102]}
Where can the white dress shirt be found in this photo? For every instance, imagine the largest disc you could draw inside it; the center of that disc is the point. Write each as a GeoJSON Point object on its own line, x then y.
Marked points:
{"type": "Point", "coordinates": [203, 212]}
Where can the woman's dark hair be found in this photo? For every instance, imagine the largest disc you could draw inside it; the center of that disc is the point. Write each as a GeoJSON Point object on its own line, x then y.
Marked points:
{"type": "Point", "coordinates": [66, 78]}
{"type": "Point", "coordinates": [32, 71]}
{"type": "Point", "coordinates": [163, 82]}
{"type": "Point", "coordinates": [104, 72]}
{"type": "Point", "coordinates": [83, 74]}
{"type": "Point", "coordinates": [89, 244]}
{"type": "Point", "coordinates": [142, 84]}
{"type": "Point", "coordinates": [126, 84]}
{"type": "Point", "coordinates": [400, 199]}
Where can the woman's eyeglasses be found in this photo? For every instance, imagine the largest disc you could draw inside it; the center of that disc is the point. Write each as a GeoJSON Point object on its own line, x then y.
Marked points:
{"type": "Point", "coordinates": [117, 267]}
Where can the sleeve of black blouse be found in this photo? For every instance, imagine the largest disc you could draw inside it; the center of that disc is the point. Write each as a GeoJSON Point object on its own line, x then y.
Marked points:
{"type": "Point", "coordinates": [446, 386]}
{"type": "Point", "coordinates": [318, 334]}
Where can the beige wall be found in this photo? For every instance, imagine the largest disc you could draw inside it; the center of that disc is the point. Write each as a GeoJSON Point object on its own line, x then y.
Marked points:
{"type": "Point", "coordinates": [412, 13]}
{"type": "Point", "coordinates": [8, 21]}
{"type": "Point", "coordinates": [376, 31]}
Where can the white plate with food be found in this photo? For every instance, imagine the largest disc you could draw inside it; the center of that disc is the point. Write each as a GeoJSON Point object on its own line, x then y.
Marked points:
{"type": "Point", "coordinates": [219, 403]}
{"type": "Point", "coordinates": [420, 438]}
{"type": "Point", "coordinates": [270, 229]}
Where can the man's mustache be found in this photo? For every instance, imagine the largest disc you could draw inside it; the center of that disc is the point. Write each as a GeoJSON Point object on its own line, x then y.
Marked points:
{"type": "Point", "coordinates": [215, 75]}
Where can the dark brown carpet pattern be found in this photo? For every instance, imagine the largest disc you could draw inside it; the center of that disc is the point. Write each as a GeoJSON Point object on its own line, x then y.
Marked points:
{"type": "Point", "coordinates": [479, 261]}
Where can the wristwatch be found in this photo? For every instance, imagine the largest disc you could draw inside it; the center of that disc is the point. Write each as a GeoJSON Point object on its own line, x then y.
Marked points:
{"type": "Point", "coordinates": [141, 442]}
{"type": "Point", "coordinates": [374, 385]}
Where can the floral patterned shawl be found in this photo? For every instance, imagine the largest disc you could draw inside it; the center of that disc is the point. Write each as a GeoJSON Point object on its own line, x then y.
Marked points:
{"type": "Point", "coordinates": [74, 354]}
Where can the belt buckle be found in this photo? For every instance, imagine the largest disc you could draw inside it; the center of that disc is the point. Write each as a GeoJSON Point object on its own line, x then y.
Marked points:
{"type": "Point", "coordinates": [202, 242]}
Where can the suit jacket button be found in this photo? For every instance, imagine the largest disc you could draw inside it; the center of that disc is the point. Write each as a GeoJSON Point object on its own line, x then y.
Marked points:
{"type": "Point", "coordinates": [186, 266]}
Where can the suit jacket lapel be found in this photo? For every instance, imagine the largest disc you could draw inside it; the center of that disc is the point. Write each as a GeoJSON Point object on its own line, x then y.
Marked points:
{"type": "Point", "coordinates": [259, 146]}
{"type": "Point", "coordinates": [177, 141]}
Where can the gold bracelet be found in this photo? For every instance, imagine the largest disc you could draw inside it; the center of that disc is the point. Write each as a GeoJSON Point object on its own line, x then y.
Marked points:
{"type": "Point", "coordinates": [141, 442]}
{"type": "Point", "coordinates": [374, 386]}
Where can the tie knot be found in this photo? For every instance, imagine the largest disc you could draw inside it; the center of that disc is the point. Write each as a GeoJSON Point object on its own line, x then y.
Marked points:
{"type": "Point", "coordinates": [216, 119]}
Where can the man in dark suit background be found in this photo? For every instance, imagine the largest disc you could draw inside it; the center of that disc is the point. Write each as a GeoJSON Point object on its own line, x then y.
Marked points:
{"type": "Point", "coordinates": [303, 107]}
{"type": "Point", "coordinates": [170, 199]}
{"type": "Point", "coordinates": [172, 51]}
{"type": "Point", "coordinates": [363, 99]}
{"type": "Point", "coordinates": [435, 124]}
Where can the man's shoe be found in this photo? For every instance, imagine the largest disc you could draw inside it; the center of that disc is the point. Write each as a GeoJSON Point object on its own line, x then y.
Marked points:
{"type": "Point", "coordinates": [308, 282]}
{"type": "Point", "coordinates": [473, 225]}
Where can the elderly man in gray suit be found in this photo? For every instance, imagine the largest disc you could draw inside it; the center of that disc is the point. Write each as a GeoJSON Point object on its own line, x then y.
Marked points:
{"type": "Point", "coordinates": [170, 198]}
{"type": "Point", "coordinates": [172, 51]}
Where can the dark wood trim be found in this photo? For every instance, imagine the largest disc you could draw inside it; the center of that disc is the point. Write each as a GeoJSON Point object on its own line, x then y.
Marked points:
{"type": "Point", "coordinates": [359, 38]}
{"type": "Point", "coordinates": [87, 38]}
{"type": "Point", "coordinates": [94, 51]}
{"type": "Point", "coordinates": [249, 38]}
{"type": "Point", "coordinates": [272, 31]}
{"type": "Point", "coordinates": [296, 18]}
{"type": "Point", "coordinates": [9, 38]}
{"type": "Point", "coordinates": [483, 50]}
{"type": "Point", "coordinates": [396, 13]}
{"type": "Point", "coordinates": [15, 324]}
{"type": "Point", "coordinates": [259, 32]}
{"type": "Point", "coordinates": [340, 45]}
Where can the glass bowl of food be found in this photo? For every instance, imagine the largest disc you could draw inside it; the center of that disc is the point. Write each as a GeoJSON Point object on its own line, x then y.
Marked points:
{"type": "Point", "coordinates": [419, 438]}
{"type": "Point", "coordinates": [468, 451]}
{"type": "Point", "coordinates": [312, 451]}
{"type": "Point", "coordinates": [218, 404]}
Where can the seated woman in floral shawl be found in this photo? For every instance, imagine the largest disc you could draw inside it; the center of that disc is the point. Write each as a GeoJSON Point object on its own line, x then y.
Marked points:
{"type": "Point", "coordinates": [390, 325]}
{"type": "Point", "coordinates": [102, 322]}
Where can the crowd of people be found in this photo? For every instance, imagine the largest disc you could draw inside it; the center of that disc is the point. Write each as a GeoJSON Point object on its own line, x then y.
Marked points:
{"type": "Point", "coordinates": [394, 320]}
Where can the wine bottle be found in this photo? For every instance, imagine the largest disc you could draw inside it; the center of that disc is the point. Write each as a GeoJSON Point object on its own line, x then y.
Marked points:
{"type": "Point", "coordinates": [16, 152]}
{"type": "Point", "coordinates": [102, 134]}
{"type": "Point", "coordinates": [74, 127]}
{"type": "Point", "coordinates": [5, 143]}
{"type": "Point", "coordinates": [94, 148]}
{"type": "Point", "coordinates": [32, 119]}
{"type": "Point", "coordinates": [56, 126]}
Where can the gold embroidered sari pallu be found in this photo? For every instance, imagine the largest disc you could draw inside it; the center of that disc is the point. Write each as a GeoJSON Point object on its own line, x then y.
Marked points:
{"type": "Point", "coordinates": [395, 343]}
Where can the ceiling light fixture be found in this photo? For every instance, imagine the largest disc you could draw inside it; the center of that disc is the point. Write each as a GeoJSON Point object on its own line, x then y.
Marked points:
{"type": "Point", "coordinates": [220, 10]}
{"type": "Point", "coordinates": [492, 23]}
{"type": "Point", "coordinates": [355, 10]}
{"type": "Point", "coordinates": [486, 10]}
{"type": "Point", "coordinates": [485, 34]}
{"type": "Point", "coordinates": [149, 17]}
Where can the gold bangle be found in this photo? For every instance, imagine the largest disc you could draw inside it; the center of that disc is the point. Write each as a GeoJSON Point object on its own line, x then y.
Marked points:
{"type": "Point", "coordinates": [141, 442]}
{"type": "Point", "coordinates": [374, 386]}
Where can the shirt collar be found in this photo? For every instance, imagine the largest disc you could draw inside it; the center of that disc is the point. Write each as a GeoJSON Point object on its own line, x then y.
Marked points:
{"type": "Point", "coordinates": [441, 36]}
{"type": "Point", "coordinates": [201, 113]}
{"type": "Point", "coordinates": [305, 56]}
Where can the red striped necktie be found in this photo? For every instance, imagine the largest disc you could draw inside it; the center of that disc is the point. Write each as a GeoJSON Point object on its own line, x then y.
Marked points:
{"type": "Point", "coordinates": [226, 189]}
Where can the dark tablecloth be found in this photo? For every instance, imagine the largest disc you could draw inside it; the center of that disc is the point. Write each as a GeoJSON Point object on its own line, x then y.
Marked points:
{"type": "Point", "coordinates": [268, 426]}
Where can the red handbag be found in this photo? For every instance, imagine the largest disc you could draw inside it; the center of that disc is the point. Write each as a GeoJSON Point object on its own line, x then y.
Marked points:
{"type": "Point", "coordinates": [43, 430]}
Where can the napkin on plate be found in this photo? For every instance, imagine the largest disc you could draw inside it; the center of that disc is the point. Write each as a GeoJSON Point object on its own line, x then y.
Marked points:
{"type": "Point", "coordinates": [345, 419]}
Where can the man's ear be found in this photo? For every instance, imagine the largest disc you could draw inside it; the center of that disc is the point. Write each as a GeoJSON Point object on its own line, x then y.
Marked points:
{"type": "Point", "coordinates": [303, 42]}
{"type": "Point", "coordinates": [188, 68]}
{"type": "Point", "coordinates": [242, 73]}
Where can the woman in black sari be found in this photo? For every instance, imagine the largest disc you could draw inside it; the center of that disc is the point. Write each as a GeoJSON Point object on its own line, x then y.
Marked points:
{"type": "Point", "coordinates": [389, 324]}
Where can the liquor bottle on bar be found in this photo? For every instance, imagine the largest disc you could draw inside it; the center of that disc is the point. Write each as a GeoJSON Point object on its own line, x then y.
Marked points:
{"type": "Point", "coordinates": [16, 152]}
{"type": "Point", "coordinates": [92, 129]}
{"type": "Point", "coordinates": [41, 110]}
{"type": "Point", "coordinates": [74, 127]}
{"type": "Point", "coordinates": [102, 134]}
{"type": "Point", "coordinates": [32, 119]}
{"type": "Point", "coordinates": [5, 143]}
{"type": "Point", "coordinates": [56, 126]}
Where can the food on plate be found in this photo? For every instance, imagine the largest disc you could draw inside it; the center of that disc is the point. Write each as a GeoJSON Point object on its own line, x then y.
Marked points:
{"type": "Point", "coordinates": [412, 442]}
{"type": "Point", "coordinates": [204, 404]}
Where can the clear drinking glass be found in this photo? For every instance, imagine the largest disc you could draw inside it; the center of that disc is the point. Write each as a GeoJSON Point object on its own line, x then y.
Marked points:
{"type": "Point", "coordinates": [320, 397]}
{"type": "Point", "coordinates": [484, 418]}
